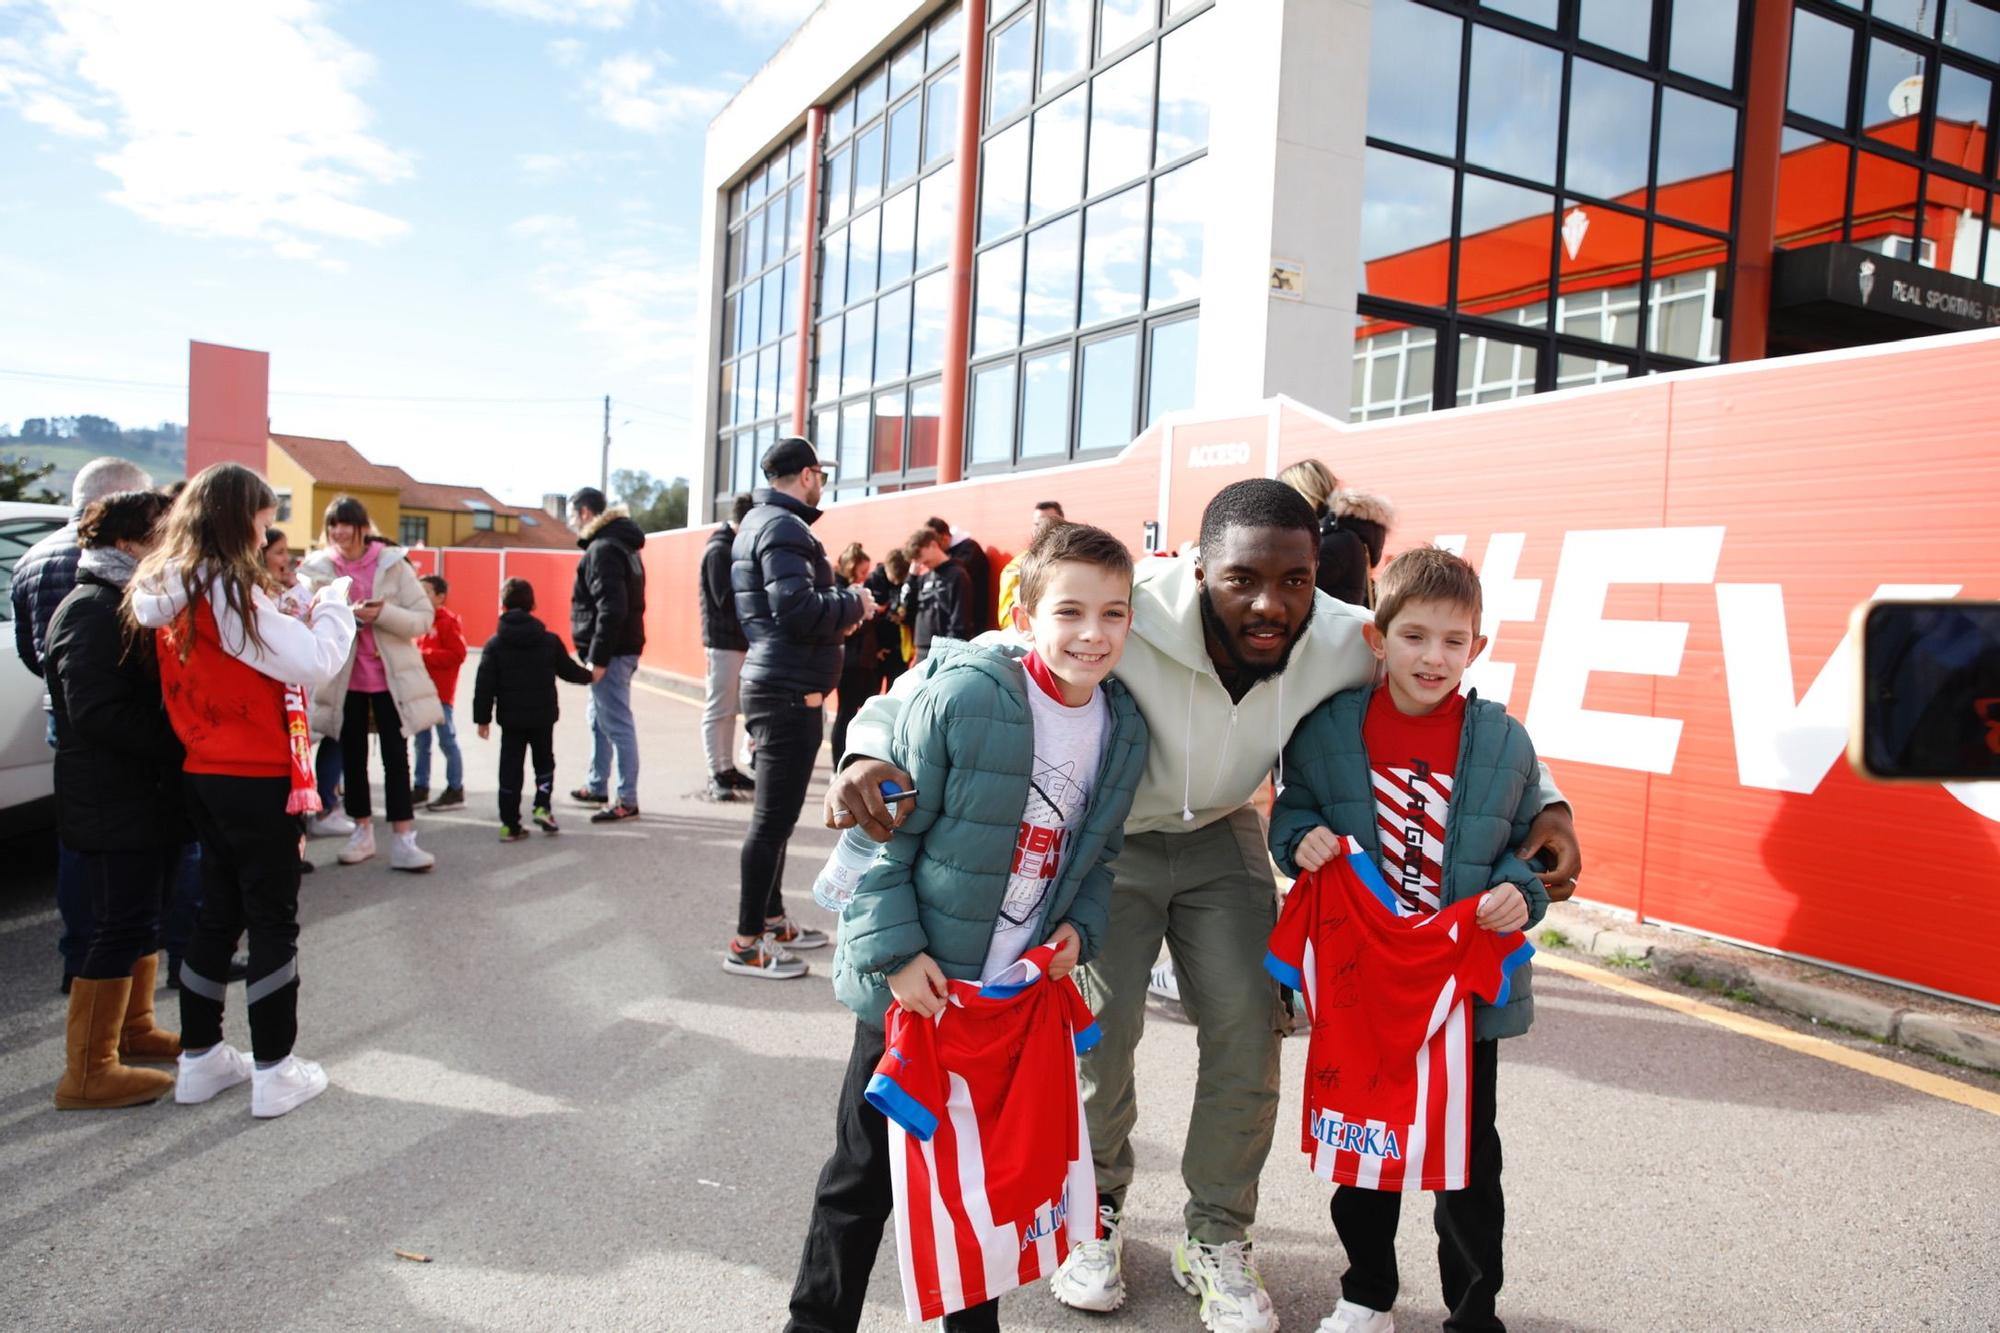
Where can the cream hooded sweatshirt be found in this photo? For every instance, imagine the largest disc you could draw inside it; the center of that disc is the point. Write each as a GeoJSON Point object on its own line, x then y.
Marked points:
{"type": "Point", "coordinates": [1209, 754]}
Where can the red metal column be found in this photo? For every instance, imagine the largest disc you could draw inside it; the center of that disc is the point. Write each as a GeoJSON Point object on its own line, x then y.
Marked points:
{"type": "Point", "coordinates": [958, 332]}
{"type": "Point", "coordinates": [1757, 209]}
{"type": "Point", "coordinates": [802, 370]}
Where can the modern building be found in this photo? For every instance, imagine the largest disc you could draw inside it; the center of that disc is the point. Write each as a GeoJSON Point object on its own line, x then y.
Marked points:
{"type": "Point", "coordinates": [950, 238]}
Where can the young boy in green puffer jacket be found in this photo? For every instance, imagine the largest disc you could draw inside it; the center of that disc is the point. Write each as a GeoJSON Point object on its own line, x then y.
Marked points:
{"type": "Point", "coordinates": [1024, 757]}
{"type": "Point", "coordinates": [1438, 787]}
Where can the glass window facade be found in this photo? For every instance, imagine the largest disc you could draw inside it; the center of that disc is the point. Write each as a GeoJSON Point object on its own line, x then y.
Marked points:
{"type": "Point", "coordinates": [882, 304]}
{"type": "Point", "coordinates": [1089, 226]}
{"type": "Point", "coordinates": [1888, 131]}
{"type": "Point", "coordinates": [1552, 204]}
{"type": "Point", "coordinates": [762, 270]}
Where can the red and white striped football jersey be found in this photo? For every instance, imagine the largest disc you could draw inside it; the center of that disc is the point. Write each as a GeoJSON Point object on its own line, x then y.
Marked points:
{"type": "Point", "coordinates": [1411, 762]}
{"type": "Point", "coordinates": [989, 1156]}
{"type": "Point", "coordinates": [1388, 1101]}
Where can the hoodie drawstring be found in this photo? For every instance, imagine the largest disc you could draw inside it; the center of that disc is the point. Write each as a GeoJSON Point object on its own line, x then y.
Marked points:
{"type": "Point", "coordinates": [1281, 731]}
{"type": "Point", "coordinates": [1187, 747]}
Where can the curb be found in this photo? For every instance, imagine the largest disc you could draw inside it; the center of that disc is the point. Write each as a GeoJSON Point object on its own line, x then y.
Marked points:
{"type": "Point", "coordinates": [1742, 979]}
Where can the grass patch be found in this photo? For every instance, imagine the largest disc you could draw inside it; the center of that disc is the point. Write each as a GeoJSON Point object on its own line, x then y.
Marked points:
{"type": "Point", "coordinates": [1554, 939]}
{"type": "Point", "coordinates": [1624, 958]}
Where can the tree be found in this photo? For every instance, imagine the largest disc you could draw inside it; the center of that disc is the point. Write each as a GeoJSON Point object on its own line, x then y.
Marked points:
{"type": "Point", "coordinates": [655, 506]}
{"type": "Point", "coordinates": [96, 428]}
{"type": "Point", "coordinates": [18, 478]}
{"type": "Point", "coordinates": [35, 428]}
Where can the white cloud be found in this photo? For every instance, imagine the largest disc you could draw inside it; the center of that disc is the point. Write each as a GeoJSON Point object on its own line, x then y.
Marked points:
{"type": "Point", "coordinates": [764, 14]}
{"type": "Point", "coordinates": [582, 13]}
{"type": "Point", "coordinates": [632, 92]}
{"type": "Point", "coordinates": [235, 118]}
{"type": "Point", "coordinates": [543, 227]}
{"type": "Point", "coordinates": [542, 167]}
{"type": "Point", "coordinates": [566, 51]}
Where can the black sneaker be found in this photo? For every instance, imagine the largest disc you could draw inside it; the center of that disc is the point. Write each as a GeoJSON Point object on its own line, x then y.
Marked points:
{"type": "Point", "coordinates": [418, 795]}
{"type": "Point", "coordinates": [719, 788]}
{"type": "Point", "coordinates": [585, 796]}
{"type": "Point", "coordinates": [451, 798]}
{"type": "Point", "coordinates": [306, 867]}
{"type": "Point", "coordinates": [736, 779]}
{"type": "Point", "coordinates": [612, 814]}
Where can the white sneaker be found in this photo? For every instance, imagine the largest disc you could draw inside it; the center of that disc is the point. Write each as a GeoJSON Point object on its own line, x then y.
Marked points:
{"type": "Point", "coordinates": [285, 1086]}
{"type": "Point", "coordinates": [1233, 1299]}
{"type": "Point", "coordinates": [1093, 1277]}
{"type": "Point", "coordinates": [331, 824]}
{"type": "Point", "coordinates": [217, 1069]}
{"type": "Point", "coordinates": [1347, 1317]}
{"type": "Point", "coordinates": [404, 854]}
{"type": "Point", "coordinates": [360, 845]}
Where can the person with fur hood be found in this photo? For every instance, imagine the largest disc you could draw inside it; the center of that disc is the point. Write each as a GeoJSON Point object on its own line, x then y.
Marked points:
{"type": "Point", "coordinates": [1353, 528]}
{"type": "Point", "coordinates": [385, 687]}
{"type": "Point", "coordinates": [607, 623]}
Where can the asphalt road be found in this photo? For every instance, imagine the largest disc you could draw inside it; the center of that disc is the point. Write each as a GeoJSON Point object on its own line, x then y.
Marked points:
{"type": "Point", "coordinates": [543, 1081]}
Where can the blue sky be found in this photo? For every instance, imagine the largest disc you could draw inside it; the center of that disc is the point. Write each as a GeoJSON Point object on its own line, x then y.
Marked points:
{"type": "Point", "coordinates": [488, 200]}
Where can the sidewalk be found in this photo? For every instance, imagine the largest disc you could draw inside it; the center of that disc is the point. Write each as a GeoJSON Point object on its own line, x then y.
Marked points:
{"type": "Point", "coordinates": [1959, 1033]}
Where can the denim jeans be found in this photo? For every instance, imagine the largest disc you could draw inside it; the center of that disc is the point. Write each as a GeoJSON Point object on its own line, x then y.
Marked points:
{"type": "Point", "coordinates": [613, 732]}
{"type": "Point", "coordinates": [183, 902]}
{"type": "Point", "coordinates": [447, 739]}
{"type": "Point", "coordinates": [327, 769]}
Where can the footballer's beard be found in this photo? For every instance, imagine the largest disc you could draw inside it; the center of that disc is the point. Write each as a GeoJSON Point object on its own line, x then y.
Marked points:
{"type": "Point", "coordinates": [1247, 673]}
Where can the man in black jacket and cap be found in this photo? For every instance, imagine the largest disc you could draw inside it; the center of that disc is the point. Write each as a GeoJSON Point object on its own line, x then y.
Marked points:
{"type": "Point", "coordinates": [607, 619]}
{"type": "Point", "coordinates": [723, 642]}
{"type": "Point", "coordinates": [797, 623]}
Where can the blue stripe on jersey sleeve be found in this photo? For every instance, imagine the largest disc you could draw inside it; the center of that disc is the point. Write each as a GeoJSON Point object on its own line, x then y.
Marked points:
{"type": "Point", "coordinates": [1370, 876]}
{"type": "Point", "coordinates": [1088, 1038]}
{"type": "Point", "coordinates": [1507, 966]}
{"type": "Point", "coordinates": [883, 1094]}
{"type": "Point", "coordinates": [1286, 974]}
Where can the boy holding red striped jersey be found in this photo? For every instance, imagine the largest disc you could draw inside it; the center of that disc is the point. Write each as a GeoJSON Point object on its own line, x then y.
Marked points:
{"type": "Point", "coordinates": [1023, 758]}
{"type": "Point", "coordinates": [1438, 788]}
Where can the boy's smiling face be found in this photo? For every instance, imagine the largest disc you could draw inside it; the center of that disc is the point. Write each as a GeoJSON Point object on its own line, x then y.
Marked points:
{"type": "Point", "coordinates": [1425, 652]}
{"type": "Point", "coordinates": [1079, 625]}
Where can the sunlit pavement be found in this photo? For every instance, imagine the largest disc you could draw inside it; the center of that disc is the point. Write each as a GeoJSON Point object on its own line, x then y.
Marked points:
{"type": "Point", "coordinates": [544, 1083]}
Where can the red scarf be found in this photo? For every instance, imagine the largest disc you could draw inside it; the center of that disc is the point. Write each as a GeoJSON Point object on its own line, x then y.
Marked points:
{"type": "Point", "coordinates": [304, 799]}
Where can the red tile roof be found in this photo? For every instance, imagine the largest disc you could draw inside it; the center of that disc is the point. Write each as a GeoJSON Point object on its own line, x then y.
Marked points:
{"type": "Point", "coordinates": [338, 463]}
{"type": "Point", "coordinates": [547, 536]}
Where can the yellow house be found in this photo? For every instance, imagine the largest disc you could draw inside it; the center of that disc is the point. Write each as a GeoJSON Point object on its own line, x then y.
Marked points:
{"type": "Point", "coordinates": [436, 514]}
{"type": "Point", "coordinates": [310, 473]}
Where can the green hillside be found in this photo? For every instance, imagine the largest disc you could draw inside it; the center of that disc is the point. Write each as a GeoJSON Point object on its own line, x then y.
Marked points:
{"type": "Point", "coordinates": [161, 450]}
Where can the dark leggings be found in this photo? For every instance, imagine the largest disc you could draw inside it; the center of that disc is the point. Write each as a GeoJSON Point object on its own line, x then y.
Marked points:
{"type": "Point", "coordinates": [249, 882]}
{"type": "Point", "coordinates": [355, 724]}
{"type": "Point", "coordinates": [126, 890]}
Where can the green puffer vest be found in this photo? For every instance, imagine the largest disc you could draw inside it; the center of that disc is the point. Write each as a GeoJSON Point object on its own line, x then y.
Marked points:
{"type": "Point", "coordinates": [967, 740]}
{"type": "Point", "coordinates": [1495, 794]}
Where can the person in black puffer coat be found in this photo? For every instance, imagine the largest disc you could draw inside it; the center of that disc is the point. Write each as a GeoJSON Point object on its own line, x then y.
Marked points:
{"type": "Point", "coordinates": [861, 667]}
{"type": "Point", "coordinates": [517, 683]}
{"type": "Point", "coordinates": [118, 807]}
{"type": "Point", "coordinates": [797, 622]}
{"type": "Point", "coordinates": [1369, 518]}
{"type": "Point", "coordinates": [723, 643]}
{"type": "Point", "coordinates": [607, 622]}
{"type": "Point", "coordinates": [1343, 557]}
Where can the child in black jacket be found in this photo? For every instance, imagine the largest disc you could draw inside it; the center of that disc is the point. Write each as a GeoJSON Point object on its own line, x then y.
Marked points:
{"type": "Point", "coordinates": [517, 677]}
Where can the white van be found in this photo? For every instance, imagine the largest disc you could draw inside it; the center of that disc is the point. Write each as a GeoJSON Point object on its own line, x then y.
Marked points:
{"type": "Point", "coordinates": [27, 765]}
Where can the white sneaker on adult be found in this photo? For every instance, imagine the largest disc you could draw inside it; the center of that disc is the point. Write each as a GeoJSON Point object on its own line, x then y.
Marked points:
{"type": "Point", "coordinates": [1347, 1317]}
{"type": "Point", "coordinates": [360, 845]}
{"type": "Point", "coordinates": [1233, 1299]}
{"type": "Point", "coordinates": [285, 1086]}
{"type": "Point", "coordinates": [1093, 1276]}
{"type": "Point", "coordinates": [404, 854]}
{"type": "Point", "coordinates": [331, 824]}
{"type": "Point", "coordinates": [217, 1069]}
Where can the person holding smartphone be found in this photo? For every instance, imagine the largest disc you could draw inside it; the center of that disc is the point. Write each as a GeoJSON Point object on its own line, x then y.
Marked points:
{"type": "Point", "coordinates": [385, 688]}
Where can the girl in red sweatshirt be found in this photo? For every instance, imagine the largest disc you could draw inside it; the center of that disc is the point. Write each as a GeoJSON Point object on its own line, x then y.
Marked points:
{"type": "Point", "coordinates": [235, 671]}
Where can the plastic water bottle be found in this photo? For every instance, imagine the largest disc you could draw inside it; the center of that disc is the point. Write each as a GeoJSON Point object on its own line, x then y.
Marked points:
{"type": "Point", "coordinates": [852, 856]}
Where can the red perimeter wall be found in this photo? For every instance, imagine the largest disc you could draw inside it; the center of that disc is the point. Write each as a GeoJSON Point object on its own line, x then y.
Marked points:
{"type": "Point", "coordinates": [1669, 567]}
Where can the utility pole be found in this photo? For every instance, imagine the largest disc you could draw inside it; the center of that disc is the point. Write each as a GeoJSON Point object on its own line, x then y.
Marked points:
{"type": "Point", "coordinates": [604, 467]}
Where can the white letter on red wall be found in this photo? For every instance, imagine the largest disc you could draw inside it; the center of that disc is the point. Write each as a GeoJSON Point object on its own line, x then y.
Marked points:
{"type": "Point", "coordinates": [1579, 640]}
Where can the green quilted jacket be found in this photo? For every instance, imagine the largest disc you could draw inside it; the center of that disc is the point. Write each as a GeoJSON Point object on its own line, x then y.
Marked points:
{"type": "Point", "coordinates": [967, 740]}
{"type": "Point", "coordinates": [1494, 796]}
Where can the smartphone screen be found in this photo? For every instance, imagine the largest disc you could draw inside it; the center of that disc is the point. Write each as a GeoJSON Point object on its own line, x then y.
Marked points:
{"type": "Point", "coordinates": [1930, 693]}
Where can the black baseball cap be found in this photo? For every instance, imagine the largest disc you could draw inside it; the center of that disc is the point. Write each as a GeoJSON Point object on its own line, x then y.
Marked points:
{"type": "Point", "coordinates": [791, 456]}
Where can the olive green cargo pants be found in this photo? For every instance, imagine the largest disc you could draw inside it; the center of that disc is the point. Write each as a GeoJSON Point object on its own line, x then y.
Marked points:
{"type": "Point", "coordinates": [1211, 896]}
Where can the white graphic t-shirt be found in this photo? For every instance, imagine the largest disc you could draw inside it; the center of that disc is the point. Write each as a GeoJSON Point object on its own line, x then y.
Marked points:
{"type": "Point", "coordinates": [1069, 749]}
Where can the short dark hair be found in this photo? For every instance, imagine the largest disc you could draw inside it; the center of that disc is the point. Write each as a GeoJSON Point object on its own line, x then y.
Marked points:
{"type": "Point", "coordinates": [1427, 574]}
{"type": "Point", "coordinates": [588, 497]}
{"type": "Point", "coordinates": [346, 509]}
{"type": "Point", "coordinates": [1053, 506]}
{"type": "Point", "coordinates": [922, 537]}
{"type": "Point", "coordinates": [741, 509]}
{"type": "Point", "coordinates": [1259, 502]}
{"type": "Point", "coordinates": [938, 525]}
{"type": "Point", "coordinates": [436, 584]}
{"type": "Point", "coordinates": [122, 516]}
{"type": "Point", "coordinates": [898, 565]}
{"type": "Point", "coordinates": [517, 595]}
{"type": "Point", "coordinates": [1079, 543]}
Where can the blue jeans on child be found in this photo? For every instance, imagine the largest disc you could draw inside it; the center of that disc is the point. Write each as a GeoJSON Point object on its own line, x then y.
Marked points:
{"type": "Point", "coordinates": [447, 739]}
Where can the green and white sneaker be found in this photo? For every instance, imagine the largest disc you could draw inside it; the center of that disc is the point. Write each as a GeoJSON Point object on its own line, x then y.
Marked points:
{"type": "Point", "coordinates": [1233, 1299]}
{"type": "Point", "coordinates": [1092, 1277]}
